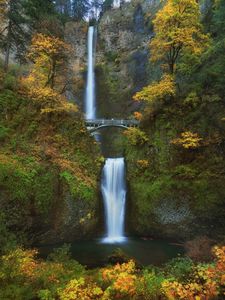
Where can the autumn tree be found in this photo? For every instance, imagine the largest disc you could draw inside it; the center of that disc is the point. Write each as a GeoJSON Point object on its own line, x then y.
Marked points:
{"type": "Point", "coordinates": [177, 30]}
{"type": "Point", "coordinates": [48, 55]}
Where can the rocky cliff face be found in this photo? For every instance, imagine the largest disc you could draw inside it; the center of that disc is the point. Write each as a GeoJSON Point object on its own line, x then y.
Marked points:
{"type": "Point", "coordinates": [122, 57]}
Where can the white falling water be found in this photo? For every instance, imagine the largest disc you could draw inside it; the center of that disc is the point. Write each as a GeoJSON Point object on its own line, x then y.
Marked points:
{"type": "Point", "coordinates": [114, 195]}
{"type": "Point", "coordinates": [116, 3]}
{"type": "Point", "coordinates": [90, 88]}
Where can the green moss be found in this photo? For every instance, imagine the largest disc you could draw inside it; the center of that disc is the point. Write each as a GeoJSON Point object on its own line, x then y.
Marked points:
{"type": "Point", "coordinates": [78, 189]}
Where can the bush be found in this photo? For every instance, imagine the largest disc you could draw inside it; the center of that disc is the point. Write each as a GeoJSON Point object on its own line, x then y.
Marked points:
{"type": "Point", "coordinates": [180, 268]}
{"type": "Point", "coordinates": [10, 82]}
{"type": "Point", "coordinates": [149, 287]}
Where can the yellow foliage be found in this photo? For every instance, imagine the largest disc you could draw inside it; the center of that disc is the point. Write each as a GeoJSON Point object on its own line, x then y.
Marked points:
{"type": "Point", "coordinates": [136, 136]}
{"type": "Point", "coordinates": [177, 29]}
{"type": "Point", "coordinates": [47, 54]}
{"type": "Point", "coordinates": [143, 164]}
{"type": "Point", "coordinates": [21, 262]}
{"type": "Point", "coordinates": [188, 140]}
{"type": "Point", "coordinates": [79, 289]}
{"type": "Point", "coordinates": [205, 284]}
{"type": "Point", "coordinates": [157, 90]}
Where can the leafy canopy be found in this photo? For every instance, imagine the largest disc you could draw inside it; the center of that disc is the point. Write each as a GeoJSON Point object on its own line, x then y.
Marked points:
{"type": "Point", "coordinates": [177, 30]}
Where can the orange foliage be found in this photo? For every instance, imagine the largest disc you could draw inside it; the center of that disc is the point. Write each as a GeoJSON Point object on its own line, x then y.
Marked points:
{"type": "Point", "coordinates": [207, 282]}
{"type": "Point", "coordinates": [121, 278]}
{"type": "Point", "coordinates": [138, 116]}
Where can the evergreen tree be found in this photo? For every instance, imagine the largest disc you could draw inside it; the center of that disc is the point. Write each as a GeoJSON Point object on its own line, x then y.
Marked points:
{"type": "Point", "coordinates": [96, 7]}
{"type": "Point", "coordinates": [38, 9]}
{"type": "Point", "coordinates": [107, 4]}
{"type": "Point", "coordinates": [63, 7]}
{"type": "Point", "coordinates": [19, 19]}
{"type": "Point", "coordinates": [219, 18]}
{"type": "Point", "coordinates": [80, 9]}
{"type": "Point", "coordinates": [14, 33]}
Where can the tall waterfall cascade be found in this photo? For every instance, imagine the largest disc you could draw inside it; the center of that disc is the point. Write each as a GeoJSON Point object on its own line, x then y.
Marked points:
{"type": "Point", "coordinates": [90, 109]}
{"type": "Point", "coordinates": [114, 196]}
{"type": "Point", "coordinates": [113, 185]}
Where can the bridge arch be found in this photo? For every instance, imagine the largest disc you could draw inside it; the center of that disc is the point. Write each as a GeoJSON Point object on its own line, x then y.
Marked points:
{"type": "Point", "coordinates": [98, 124]}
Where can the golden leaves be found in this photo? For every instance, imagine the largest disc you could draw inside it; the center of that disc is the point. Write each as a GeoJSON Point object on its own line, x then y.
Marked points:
{"type": "Point", "coordinates": [157, 90]}
{"type": "Point", "coordinates": [188, 140]}
{"type": "Point", "coordinates": [136, 136]}
{"type": "Point", "coordinates": [177, 29]}
{"type": "Point", "coordinates": [48, 54]}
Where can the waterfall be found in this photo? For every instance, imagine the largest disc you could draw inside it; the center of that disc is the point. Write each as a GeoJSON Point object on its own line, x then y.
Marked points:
{"type": "Point", "coordinates": [90, 88]}
{"type": "Point", "coordinates": [114, 195]}
{"type": "Point", "coordinates": [113, 184]}
{"type": "Point", "coordinates": [117, 3]}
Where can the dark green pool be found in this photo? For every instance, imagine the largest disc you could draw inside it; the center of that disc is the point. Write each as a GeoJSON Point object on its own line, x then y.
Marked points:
{"type": "Point", "coordinates": [94, 253]}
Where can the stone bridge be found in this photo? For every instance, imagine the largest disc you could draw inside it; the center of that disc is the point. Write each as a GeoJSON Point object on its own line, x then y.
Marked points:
{"type": "Point", "coordinates": [97, 124]}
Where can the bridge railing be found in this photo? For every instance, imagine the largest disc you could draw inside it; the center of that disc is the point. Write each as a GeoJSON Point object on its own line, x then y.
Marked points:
{"type": "Point", "coordinates": [111, 122]}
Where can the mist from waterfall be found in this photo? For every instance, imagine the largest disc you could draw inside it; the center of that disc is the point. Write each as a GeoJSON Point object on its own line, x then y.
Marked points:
{"type": "Point", "coordinates": [90, 105]}
{"type": "Point", "coordinates": [114, 195]}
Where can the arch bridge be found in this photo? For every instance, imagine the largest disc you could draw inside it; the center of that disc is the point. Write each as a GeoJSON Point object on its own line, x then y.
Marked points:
{"type": "Point", "coordinates": [97, 124]}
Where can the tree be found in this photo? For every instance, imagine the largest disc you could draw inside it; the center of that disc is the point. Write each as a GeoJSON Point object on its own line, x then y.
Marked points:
{"type": "Point", "coordinates": [14, 34]}
{"type": "Point", "coordinates": [219, 18]}
{"type": "Point", "coordinates": [80, 9]}
{"type": "Point", "coordinates": [107, 4]}
{"type": "Point", "coordinates": [36, 10]}
{"type": "Point", "coordinates": [95, 8]}
{"type": "Point", "coordinates": [19, 18]}
{"type": "Point", "coordinates": [63, 7]}
{"type": "Point", "coordinates": [177, 30]}
{"type": "Point", "coordinates": [48, 55]}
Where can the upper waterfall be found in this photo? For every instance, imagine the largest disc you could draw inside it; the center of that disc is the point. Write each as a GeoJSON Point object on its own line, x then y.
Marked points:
{"type": "Point", "coordinates": [90, 109]}
{"type": "Point", "coordinates": [117, 3]}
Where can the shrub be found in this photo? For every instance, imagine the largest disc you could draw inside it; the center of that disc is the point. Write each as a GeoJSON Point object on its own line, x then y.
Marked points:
{"type": "Point", "coordinates": [179, 268]}
{"type": "Point", "coordinates": [149, 286]}
{"type": "Point", "coordinates": [136, 137]}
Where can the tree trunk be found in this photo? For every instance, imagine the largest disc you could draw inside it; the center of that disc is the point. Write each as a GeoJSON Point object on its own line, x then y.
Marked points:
{"type": "Point", "coordinates": [8, 46]}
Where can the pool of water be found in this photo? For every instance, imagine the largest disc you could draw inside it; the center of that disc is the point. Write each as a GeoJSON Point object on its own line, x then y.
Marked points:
{"type": "Point", "coordinates": [95, 253]}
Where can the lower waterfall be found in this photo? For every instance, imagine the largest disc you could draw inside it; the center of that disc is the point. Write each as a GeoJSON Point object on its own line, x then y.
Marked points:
{"type": "Point", "coordinates": [114, 194]}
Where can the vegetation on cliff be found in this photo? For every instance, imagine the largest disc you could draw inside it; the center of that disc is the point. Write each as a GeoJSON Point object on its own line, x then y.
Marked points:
{"type": "Point", "coordinates": [176, 175]}
{"type": "Point", "coordinates": [49, 164]}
